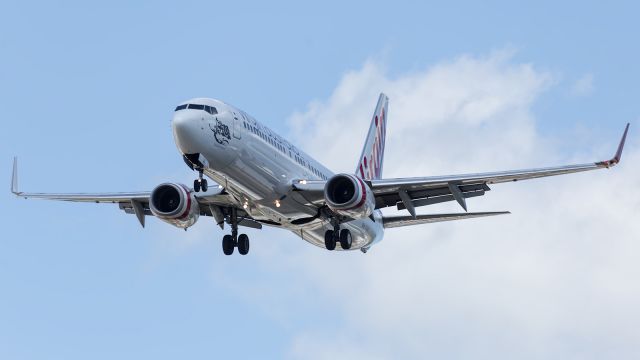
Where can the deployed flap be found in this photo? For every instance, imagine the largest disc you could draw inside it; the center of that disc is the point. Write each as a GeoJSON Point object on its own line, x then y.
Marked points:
{"type": "Point", "coordinates": [398, 221]}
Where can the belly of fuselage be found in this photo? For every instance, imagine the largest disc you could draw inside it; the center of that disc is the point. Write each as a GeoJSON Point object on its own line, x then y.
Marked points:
{"type": "Point", "coordinates": [364, 233]}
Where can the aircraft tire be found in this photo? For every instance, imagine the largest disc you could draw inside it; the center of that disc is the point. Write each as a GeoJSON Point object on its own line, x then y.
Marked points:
{"type": "Point", "coordinates": [228, 244]}
{"type": "Point", "coordinates": [329, 240]}
{"type": "Point", "coordinates": [243, 244]}
{"type": "Point", "coordinates": [196, 185]}
{"type": "Point", "coordinates": [204, 185]}
{"type": "Point", "coordinates": [345, 239]}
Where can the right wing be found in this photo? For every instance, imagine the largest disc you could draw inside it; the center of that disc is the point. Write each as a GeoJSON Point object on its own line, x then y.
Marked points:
{"type": "Point", "coordinates": [212, 203]}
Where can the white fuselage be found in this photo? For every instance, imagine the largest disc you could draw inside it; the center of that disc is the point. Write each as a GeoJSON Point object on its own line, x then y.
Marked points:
{"type": "Point", "coordinates": [258, 167]}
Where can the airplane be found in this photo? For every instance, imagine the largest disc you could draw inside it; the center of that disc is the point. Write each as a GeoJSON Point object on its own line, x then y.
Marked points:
{"type": "Point", "coordinates": [264, 180]}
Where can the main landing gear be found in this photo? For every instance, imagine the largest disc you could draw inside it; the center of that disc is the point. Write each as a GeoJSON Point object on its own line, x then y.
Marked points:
{"type": "Point", "coordinates": [230, 242]}
{"type": "Point", "coordinates": [332, 237]}
{"type": "Point", "coordinates": [200, 183]}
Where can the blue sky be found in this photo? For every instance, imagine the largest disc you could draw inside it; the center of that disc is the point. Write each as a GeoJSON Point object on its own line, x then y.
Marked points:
{"type": "Point", "coordinates": [88, 91]}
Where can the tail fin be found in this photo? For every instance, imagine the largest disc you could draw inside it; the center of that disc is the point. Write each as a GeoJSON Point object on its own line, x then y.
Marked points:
{"type": "Point", "coordinates": [372, 157]}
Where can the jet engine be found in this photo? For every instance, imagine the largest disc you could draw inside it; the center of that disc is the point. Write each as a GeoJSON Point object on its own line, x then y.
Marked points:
{"type": "Point", "coordinates": [174, 204]}
{"type": "Point", "coordinates": [348, 195]}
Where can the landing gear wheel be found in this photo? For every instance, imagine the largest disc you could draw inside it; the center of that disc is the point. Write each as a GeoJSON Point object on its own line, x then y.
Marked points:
{"type": "Point", "coordinates": [329, 240]}
{"type": "Point", "coordinates": [345, 239]}
{"type": "Point", "coordinates": [228, 244]}
{"type": "Point", "coordinates": [204, 185]}
{"type": "Point", "coordinates": [196, 185]}
{"type": "Point", "coordinates": [243, 244]}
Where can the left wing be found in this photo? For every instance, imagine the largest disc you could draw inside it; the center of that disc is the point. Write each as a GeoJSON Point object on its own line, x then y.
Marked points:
{"type": "Point", "coordinates": [409, 193]}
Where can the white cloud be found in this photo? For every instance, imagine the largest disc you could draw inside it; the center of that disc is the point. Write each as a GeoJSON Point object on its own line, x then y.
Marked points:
{"type": "Point", "coordinates": [583, 86]}
{"type": "Point", "coordinates": [467, 101]}
{"type": "Point", "coordinates": [557, 279]}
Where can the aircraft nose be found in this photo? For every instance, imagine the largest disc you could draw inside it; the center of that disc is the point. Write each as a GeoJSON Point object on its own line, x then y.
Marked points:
{"type": "Point", "coordinates": [185, 131]}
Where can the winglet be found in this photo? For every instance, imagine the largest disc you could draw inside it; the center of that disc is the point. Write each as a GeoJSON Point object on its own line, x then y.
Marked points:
{"type": "Point", "coordinates": [14, 177]}
{"type": "Point", "coordinates": [616, 159]}
{"type": "Point", "coordinates": [621, 146]}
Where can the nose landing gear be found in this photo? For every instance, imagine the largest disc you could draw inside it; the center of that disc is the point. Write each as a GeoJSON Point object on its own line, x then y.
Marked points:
{"type": "Point", "coordinates": [198, 163]}
{"type": "Point", "coordinates": [200, 183]}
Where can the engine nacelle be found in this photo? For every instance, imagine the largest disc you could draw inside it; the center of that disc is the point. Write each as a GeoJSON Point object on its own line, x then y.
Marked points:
{"type": "Point", "coordinates": [348, 195]}
{"type": "Point", "coordinates": [174, 204]}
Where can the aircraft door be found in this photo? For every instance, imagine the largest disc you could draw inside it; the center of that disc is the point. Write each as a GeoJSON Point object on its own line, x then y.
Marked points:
{"type": "Point", "coordinates": [237, 126]}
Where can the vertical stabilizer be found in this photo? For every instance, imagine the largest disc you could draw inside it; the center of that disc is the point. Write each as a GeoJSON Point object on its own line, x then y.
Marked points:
{"type": "Point", "coordinates": [372, 157]}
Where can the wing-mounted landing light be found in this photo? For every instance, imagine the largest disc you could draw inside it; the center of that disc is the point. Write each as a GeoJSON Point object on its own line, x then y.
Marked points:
{"type": "Point", "coordinates": [618, 156]}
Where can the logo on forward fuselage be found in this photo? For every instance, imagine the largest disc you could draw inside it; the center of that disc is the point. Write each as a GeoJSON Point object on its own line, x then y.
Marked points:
{"type": "Point", "coordinates": [221, 132]}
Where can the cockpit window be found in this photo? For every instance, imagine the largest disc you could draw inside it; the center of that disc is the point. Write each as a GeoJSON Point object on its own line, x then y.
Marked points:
{"type": "Point", "coordinates": [210, 109]}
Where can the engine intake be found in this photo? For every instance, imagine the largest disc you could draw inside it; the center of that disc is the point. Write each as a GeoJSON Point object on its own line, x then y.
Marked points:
{"type": "Point", "coordinates": [348, 195]}
{"type": "Point", "coordinates": [174, 204]}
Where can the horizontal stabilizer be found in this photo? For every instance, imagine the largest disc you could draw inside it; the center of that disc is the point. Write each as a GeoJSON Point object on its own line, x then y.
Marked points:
{"type": "Point", "coordinates": [398, 221]}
